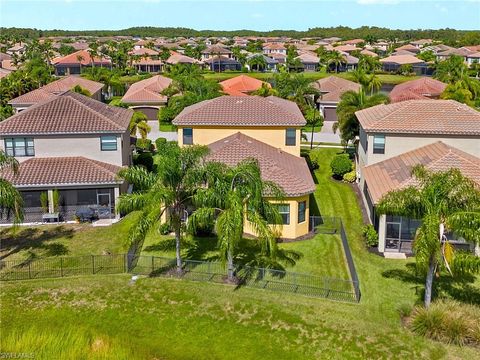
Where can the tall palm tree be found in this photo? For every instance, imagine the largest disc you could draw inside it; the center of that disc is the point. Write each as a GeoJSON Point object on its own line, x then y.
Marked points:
{"type": "Point", "coordinates": [80, 58]}
{"type": "Point", "coordinates": [351, 102]}
{"type": "Point", "coordinates": [139, 123]}
{"type": "Point", "coordinates": [10, 199]}
{"type": "Point", "coordinates": [258, 62]}
{"type": "Point", "coordinates": [443, 201]}
{"type": "Point", "coordinates": [335, 58]}
{"type": "Point", "coordinates": [165, 191]}
{"type": "Point", "coordinates": [314, 118]}
{"type": "Point", "coordinates": [232, 198]}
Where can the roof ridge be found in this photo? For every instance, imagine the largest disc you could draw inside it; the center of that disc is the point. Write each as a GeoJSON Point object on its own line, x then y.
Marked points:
{"type": "Point", "coordinates": [99, 165]}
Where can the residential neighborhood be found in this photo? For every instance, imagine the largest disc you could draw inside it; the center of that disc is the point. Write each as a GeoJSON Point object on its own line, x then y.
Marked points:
{"type": "Point", "coordinates": [171, 193]}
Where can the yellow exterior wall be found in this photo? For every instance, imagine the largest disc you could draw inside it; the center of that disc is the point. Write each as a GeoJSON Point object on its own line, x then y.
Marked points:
{"type": "Point", "coordinates": [294, 229]}
{"type": "Point", "coordinates": [273, 136]}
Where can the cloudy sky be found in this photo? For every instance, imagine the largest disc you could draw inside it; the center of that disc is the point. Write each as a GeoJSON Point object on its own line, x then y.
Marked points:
{"type": "Point", "coordinates": [239, 14]}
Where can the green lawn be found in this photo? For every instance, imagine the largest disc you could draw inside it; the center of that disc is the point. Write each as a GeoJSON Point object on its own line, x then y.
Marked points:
{"type": "Point", "coordinates": [385, 78]}
{"type": "Point", "coordinates": [167, 127]}
{"type": "Point", "coordinates": [107, 317]}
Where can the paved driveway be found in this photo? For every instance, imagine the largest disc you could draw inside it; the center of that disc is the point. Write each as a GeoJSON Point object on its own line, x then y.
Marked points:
{"type": "Point", "coordinates": [326, 134]}
{"type": "Point", "coordinates": [155, 133]}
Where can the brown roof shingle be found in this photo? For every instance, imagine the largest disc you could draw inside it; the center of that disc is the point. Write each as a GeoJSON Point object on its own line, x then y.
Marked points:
{"type": "Point", "coordinates": [423, 88]}
{"type": "Point", "coordinates": [437, 117]}
{"type": "Point", "coordinates": [242, 111]}
{"type": "Point", "coordinates": [395, 173]}
{"type": "Point", "coordinates": [148, 90]}
{"type": "Point", "coordinates": [289, 172]}
{"type": "Point", "coordinates": [62, 171]}
{"type": "Point", "coordinates": [68, 113]}
{"type": "Point", "coordinates": [333, 87]}
{"type": "Point", "coordinates": [56, 87]}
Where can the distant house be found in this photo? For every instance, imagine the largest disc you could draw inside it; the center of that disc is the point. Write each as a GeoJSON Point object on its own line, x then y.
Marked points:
{"type": "Point", "coordinates": [72, 64]}
{"type": "Point", "coordinates": [222, 63]}
{"type": "Point", "coordinates": [439, 134]}
{"type": "Point", "coordinates": [331, 89]}
{"type": "Point", "coordinates": [73, 144]}
{"type": "Point", "coordinates": [368, 53]}
{"type": "Point", "coordinates": [242, 85]}
{"type": "Point", "coordinates": [146, 60]}
{"type": "Point", "coordinates": [266, 129]}
{"type": "Point", "coordinates": [420, 89]}
{"type": "Point", "coordinates": [274, 48]}
{"type": "Point", "coordinates": [310, 61]}
{"type": "Point", "coordinates": [354, 42]}
{"type": "Point", "coordinates": [145, 95]}
{"type": "Point", "coordinates": [346, 48]}
{"type": "Point", "coordinates": [409, 47]}
{"type": "Point", "coordinates": [214, 51]}
{"type": "Point", "coordinates": [271, 63]}
{"type": "Point", "coordinates": [54, 89]}
{"type": "Point", "coordinates": [393, 63]}
{"type": "Point", "coordinates": [419, 44]}
{"type": "Point", "coordinates": [177, 58]}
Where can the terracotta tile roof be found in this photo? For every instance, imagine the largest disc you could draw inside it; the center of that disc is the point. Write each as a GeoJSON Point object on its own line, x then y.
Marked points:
{"type": "Point", "coordinates": [57, 87]}
{"type": "Point", "coordinates": [402, 59]}
{"type": "Point", "coordinates": [242, 111]}
{"type": "Point", "coordinates": [222, 59]}
{"type": "Point", "coordinates": [287, 171]}
{"type": "Point", "coordinates": [354, 41]}
{"type": "Point", "coordinates": [4, 72]}
{"type": "Point", "coordinates": [68, 113]}
{"type": "Point", "coordinates": [62, 171]}
{"type": "Point", "coordinates": [333, 87]}
{"type": "Point", "coordinates": [473, 48]}
{"type": "Point", "coordinates": [86, 59]}
{"type": "Point", "coordinates": [368, 53]}
{"type": "Point", "coordinates": [423, 88]}
{"type": "Point", "coordinates": [408, 47]}
{"type": "Point", "coordinates": [274, 46]}
{"type": "Point", "coordinates": [395, 173]}
{"type": "Point", "coordinates": [308, 58]}
{"type": "Point", "coordinates": [454, 51]}
{"type": "Point", "coordinates": [216, 49]}
{"type": "Point", "coordinates": [148, 90]}
{"type": "Point", "coordinates": [143, 51]}
{"type": "Point", "coordinates": [241, 85]}
{"type": "Point", "coordinates": [4, 56]}
{"type": "Point", "coordinates": [8, 65]}
{"type": "Point", "coordinates": [177, 58]}
{"type": "Point", "coordinates": [346, 48]}
{"type": "Point", "coordinates": [437, 117]}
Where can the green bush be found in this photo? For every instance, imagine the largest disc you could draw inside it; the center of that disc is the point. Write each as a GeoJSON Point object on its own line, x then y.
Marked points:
{"type": "Point", "coordinates": [312, 164]}
{"type": "Point", "coordinates": [350, 176]}
{"type": "Point", "coordinates": [144, 144]}
{"type": "Point", "coordinates": [341, 165]}
{"type": "Point", "coordinates": [160, 143]}
{"type": "Point", "coordinates": [164, 229]}
{"type": "Point", "coordinates": [144, 159]}
{"type": "Point", "coordinates": [448, 321]}
{"type": "Point", "coordinates": [370, 235]}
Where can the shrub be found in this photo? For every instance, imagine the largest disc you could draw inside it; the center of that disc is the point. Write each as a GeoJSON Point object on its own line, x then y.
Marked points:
{"type": "Point", "coordinates": [144, 159]}
{"type": "Point", "coordinates": [370, 235]}
{"type": "Point", "coordinates": [144, 144]}
{"type": "Point", "coordinates": [160, 143]}
{"type": "Point", "coordinates": [448, 321]}
{"type": "Point", "coordinates": [312, 164]}
{"type": "Point", "coordinates": [164, 229]}
{"type": "Point", "coordinates": [350, 176]}
{"type": "Point", "coordinates": [341, 165]}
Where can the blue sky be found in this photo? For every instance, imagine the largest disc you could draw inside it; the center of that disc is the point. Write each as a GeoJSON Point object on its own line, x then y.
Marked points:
{"type": "Point", "coordinates": [239, 14]}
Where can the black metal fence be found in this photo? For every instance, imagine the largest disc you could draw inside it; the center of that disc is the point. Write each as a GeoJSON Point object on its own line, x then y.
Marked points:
{"type": "Point", "coordinates": [262, 278]}
{"type": "Point", "coordinates": [324, 224]}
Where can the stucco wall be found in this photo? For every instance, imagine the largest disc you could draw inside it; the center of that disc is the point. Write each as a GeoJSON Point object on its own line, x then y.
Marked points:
{"type": "Point", "coordinates": [269, 135]}
{"type": "Point", "coordinates": [294, 229]}
{"type": "Point", "coordinates": [79, 145]}
{"type": "Point", "coordinates": [399, 144]}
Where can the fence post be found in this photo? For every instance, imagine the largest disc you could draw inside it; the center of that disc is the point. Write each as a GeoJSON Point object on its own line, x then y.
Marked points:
{"type": "Point", "coordinates": [93, 264]}
{"type": "Point", "coordinates": [61, 267]}
{"type": "Point", "coordinates": [153, 266]}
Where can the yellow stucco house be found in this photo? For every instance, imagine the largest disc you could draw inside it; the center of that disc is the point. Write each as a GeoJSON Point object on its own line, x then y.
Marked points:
{"type": "Point", "coordinates": [267, 129]}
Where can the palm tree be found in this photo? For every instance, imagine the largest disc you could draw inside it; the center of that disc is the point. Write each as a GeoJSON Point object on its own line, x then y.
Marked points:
{"type": "Point", "coordinates": [351, 102]}
{"type": "Point", "coordinates": [302, 91]}
{"type": "Point", "coordinates": [374, 84]}
{"type": "Point", "coordinates": [10, 199]}
{"type": "Point", "coordinates": [164, 192]}
{"type": "Point", "coordinates": [314, 118]}
{"type": "Point", "coordinates": [80, 58]}
{"type": "Point", "coordinates": [443, 201]}
{"type": "Point", "coordinates": [336, 58]}
{"type": "Point", "coordinates": [258, 62]}
{"type": "Point", "coordinates": [139, 123]}
{"type": "Point", "coordinates": [232, 198]}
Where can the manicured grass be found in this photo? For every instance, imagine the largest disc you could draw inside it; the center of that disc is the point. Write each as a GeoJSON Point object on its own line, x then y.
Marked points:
{"type": "Point", "coordinates": [108, 317]}
{"type": "Point", "coordinates": [167, 127]}
{"type": "Point", "coordinates": [385, 78]}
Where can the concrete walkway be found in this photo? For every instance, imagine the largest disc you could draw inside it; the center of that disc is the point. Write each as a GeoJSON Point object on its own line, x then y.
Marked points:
{"type": "Point", "coordinates": [326, 134]}
{"type": "Point", "coordinates": [155, 133]}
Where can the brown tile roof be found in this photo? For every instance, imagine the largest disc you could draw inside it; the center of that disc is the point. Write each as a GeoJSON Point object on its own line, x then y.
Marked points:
{"type": "Point", "coordinates": [423, 88]}
{"type": "Point", "coordinates": [287, 171]}
{"type": "Point", "coordinates": [143, 52]}
{"type": "Point", "coordinates": [368, 53]}
{"type": "Point", "coordinates": [73, 58]}
{"type": "Point", "coordinates": [333, 87]}
{"type": "Point", "coordinates": [421, 117]}
{"type": "Point", "coordinates": [308, 58]}
{"type": "Point", "coordinates": [454, 51]}
{"type": "Point", "coordinates": [177, 58]}
{"type": "Point", "coordinates": [408, 47]}
{"type": "Point", "coordinates": [242, 111]}
{"type": "Point", "coordinates": [147, 91]}
{"type": "Point", "coordinates": [216, 49]}
{"type": "Point", "coordinates": [401, 59]}
{"type": "Point", "coordinates": [241, 85]}
{"type": "Point", "coordinates": [57, 87]}
{"type": "Point", "coordinates": [346, 48]}
{"type": "Point", "coordinates": [55, 171]}
{"type": "Point", "coordinates": [68, 113]}
{"type": "Point", "coordinates": [395, 173]}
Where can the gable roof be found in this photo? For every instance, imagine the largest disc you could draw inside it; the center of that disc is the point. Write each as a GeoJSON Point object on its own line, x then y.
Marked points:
{"type": "Point", "coordinates": [85, 57]}
{"type": "Point", "coordinates": [216, 49]}
{"type": "Point", "coordinates": [437, 117]}
{"type": "Point", "coordinates": [289, 172]}
{"type": "Point", "coordinates": [402, 59]}
{"type": "Point", "coordinates": [177, 58]}
{"type": "Point", "coordinates": [308, 58]}
{"type": "Point", "coordinates": [68, 113]}
{"type": "Point", "coordinates": [147, 91]}
{"type": "Point", "coordinates": [55, 88]}
{"type": "Point", "coordinates": [241, 85]}
{"type": "Point", "coordinates": [242, 111]}
{"type": "Point", "coordinates": [423, 88]}
{"type": "Point", "coordinates": [333, 87]}
{"type": "Point", "coordinates": [55, 171]}
{"type": "Point", "coordinates": [395, 173]}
